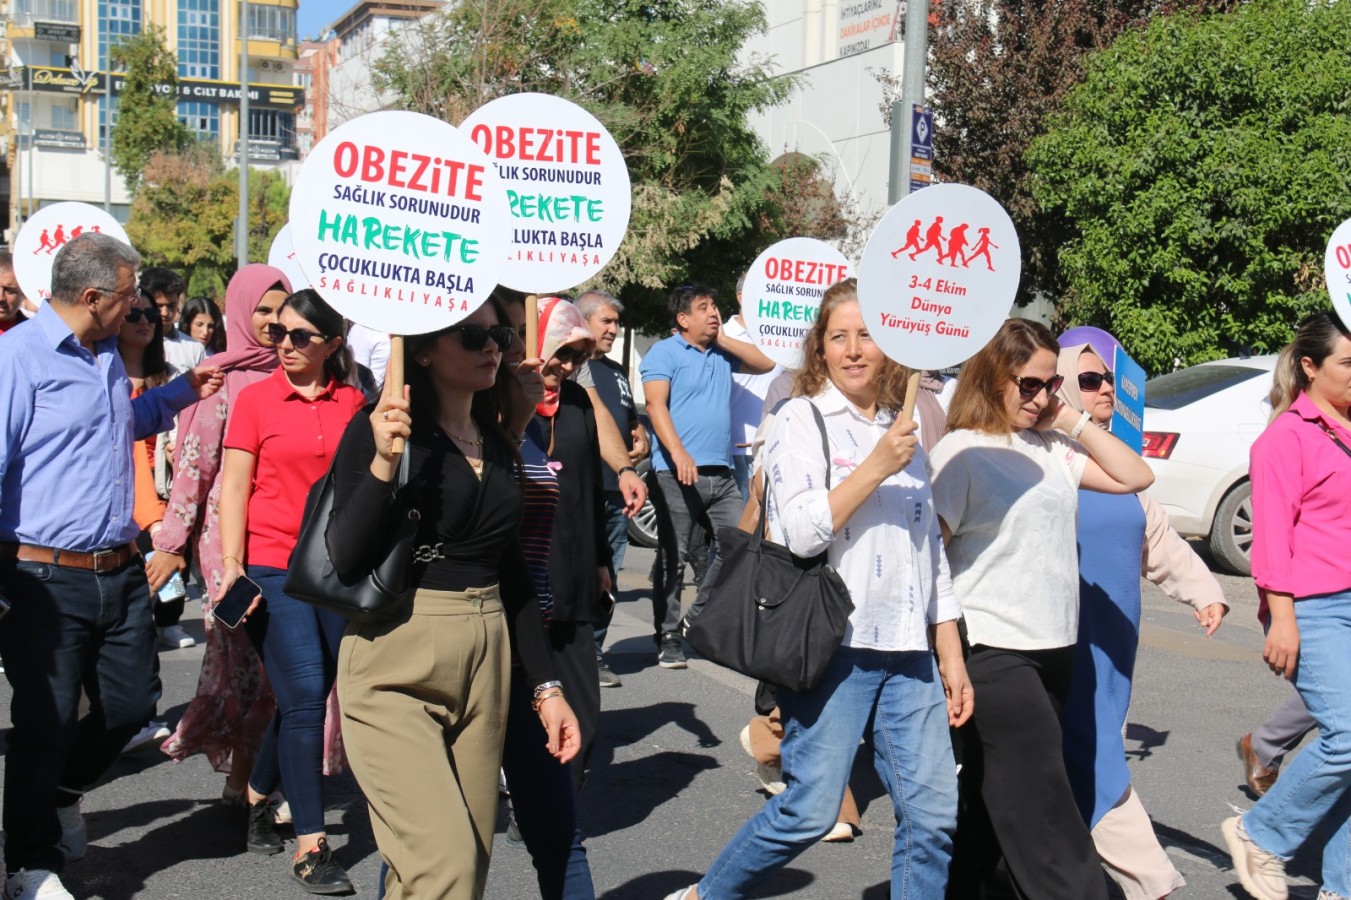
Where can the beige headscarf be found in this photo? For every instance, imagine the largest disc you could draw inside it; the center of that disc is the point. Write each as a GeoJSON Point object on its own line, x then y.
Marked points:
{"type": "Point", "coordinates": [1068, 367]}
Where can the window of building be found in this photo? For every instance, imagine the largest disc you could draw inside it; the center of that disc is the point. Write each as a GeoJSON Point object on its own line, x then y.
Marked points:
{"type": "Point", "coordinates": [202, 119]}
{"type": "Point", "coordinates": [26, 12]}
{"type": "Point", "coordinates": [272, 23]}
{"type": "Point", "coordinates": [117, 21]}
{"type": "Point", "coordinates": [272, 125]}
{"type": "Point", "coordinates": [65, 114]}
{"type": "Point", "coordinates": [199, 39]}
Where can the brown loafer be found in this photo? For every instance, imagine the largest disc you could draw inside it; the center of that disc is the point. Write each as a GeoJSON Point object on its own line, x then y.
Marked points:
{"type": "Point", "coordinates": [1259, 777]}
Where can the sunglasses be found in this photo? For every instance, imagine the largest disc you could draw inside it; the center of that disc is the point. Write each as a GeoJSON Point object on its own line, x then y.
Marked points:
{"type": "Point", "coordinates": [1029, 387]}
{"type": "Point", "coordinates": [149, 313]}
{"type": "Point", "coordinates": [475, 337]}
{"type": "Point", "coordinates": [300, 338]}
{"type": "Point", "coordinates": [1092, 381]}
{"type": "Point", "coordinates": [569, 354]}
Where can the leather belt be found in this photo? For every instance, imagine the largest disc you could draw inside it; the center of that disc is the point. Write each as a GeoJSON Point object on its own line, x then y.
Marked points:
{"type": "Point", "coordinates": [98, 562]}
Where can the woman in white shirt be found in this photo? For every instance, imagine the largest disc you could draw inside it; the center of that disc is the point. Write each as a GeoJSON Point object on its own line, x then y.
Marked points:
{"type": "Point", "coordinates": [877, 527]}
{"type": "Point", "coordinates": [1005, 485]}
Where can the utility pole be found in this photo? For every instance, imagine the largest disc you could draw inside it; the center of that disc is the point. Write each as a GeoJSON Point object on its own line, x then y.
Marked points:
{"type": "Point", "coordinates": [242, 224]}
{"type": "Point", "coordinates": [107, 116]}
{"type": "Point", "coordinates": [912, 95]}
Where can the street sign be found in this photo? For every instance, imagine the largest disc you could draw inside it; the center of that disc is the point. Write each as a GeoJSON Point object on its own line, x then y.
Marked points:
{"type": "Point", "coordinates": [921, 147]}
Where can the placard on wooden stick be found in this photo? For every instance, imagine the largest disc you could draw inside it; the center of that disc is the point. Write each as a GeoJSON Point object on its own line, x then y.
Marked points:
{"type": "Point", "coordinates": [46, 232]}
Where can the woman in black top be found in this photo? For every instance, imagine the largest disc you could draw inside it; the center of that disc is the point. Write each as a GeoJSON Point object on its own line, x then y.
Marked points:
{"type": "Point", "coordinates": [424, 698]}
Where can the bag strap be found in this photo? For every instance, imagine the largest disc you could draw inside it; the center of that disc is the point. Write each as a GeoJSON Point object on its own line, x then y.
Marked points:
{"type": "Point", "coordinates": [825, 455]}
{"type": "Point", "coordinates": [1328, 431]}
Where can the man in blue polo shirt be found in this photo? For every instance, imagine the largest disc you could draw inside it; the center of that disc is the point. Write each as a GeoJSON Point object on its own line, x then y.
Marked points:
{"type": "Point", "coordinates": [687, 380]}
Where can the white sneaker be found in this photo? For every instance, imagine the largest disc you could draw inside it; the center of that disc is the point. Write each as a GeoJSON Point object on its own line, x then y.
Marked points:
{"type": "Point", "coordinates": [173, 637]}
{"type": "Point", "coordinates": [36, 884]}
{"type": "Point", "coordinates": [281, 810]}
{"type": "Point", "coordinates": [74, 838]}
{"type": "Point", "coordinates": [152, 733]}
{"type": "Point", "coordinates": [1262, 874]}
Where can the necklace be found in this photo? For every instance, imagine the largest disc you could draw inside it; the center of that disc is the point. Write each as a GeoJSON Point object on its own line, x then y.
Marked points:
{"type": "Point", "coordinates": [476, 441]}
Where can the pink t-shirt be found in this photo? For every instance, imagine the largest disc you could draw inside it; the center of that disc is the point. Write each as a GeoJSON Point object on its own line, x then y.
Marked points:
{"type": "Point", "coordinates": [1301, 503]}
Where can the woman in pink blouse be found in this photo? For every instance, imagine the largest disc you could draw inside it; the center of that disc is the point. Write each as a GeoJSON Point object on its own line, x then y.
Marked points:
{"type": "Point", "coordinates": [1301, 498]}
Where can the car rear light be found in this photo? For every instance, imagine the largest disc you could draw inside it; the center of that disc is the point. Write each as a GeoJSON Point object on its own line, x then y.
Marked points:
{"type": "Point", "coordinates": [1159, 444]}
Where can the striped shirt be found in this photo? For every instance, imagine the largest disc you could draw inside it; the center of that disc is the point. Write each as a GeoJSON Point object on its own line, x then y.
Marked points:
{"type": "Point", "coordinates": [537, 525]}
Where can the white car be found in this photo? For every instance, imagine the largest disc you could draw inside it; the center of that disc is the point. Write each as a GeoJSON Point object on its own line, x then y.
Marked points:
{"type": "Point", "coordinates": [1199, 424]}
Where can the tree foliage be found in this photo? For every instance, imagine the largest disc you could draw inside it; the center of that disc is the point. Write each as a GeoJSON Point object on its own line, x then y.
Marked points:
{"type": "Point", "coordinates": [999, 68]}
{"type": "Point", "coordinates": [147, 118]}
{"type": "Point", "coordinates": [665, 78]}
{"type": "Point", "coordinates": [183, 216]}
{"type": "Point", "coordinates": [1200, 168]}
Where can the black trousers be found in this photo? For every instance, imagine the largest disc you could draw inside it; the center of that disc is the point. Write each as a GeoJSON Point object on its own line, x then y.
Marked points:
{"type": "Point", "coordinates": [1015, 797]}
{"type": "Point", "coordinates": [574, 655]}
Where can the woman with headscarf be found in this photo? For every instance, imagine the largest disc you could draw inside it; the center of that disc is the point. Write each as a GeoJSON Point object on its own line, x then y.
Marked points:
{"type": "Point", "coordinates": [234, 704]}
{"type": "Point", "coordinates": [1121, 538]}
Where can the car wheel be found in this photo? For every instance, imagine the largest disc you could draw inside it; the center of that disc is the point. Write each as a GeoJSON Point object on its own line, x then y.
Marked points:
{"type": "Point", "coordinates": [642, 528]}
{"type": "Point", "coordinates": [1231, 533]}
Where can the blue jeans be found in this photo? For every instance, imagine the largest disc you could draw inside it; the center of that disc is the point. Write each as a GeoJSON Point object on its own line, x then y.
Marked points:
{"type": "Point", "coordinates": [545, 804]}
{"type": "Point", "coordinates": [902, 694]}
{"type": "Point", "coordinates": [298, 644]}
{"type": "Point", "coordinates": [1315, 787]}
{"type": "Point", "coordinates": [69, 628]}
{"type": "Point", "coordinates": [617, 532]}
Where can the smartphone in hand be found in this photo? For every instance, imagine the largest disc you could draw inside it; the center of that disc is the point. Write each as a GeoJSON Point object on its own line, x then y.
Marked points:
{"type": "Point", "coordinates": [236, 602]}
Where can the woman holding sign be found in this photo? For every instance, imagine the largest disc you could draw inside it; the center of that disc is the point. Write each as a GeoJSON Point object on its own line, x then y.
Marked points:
{"type": "Point", "coordinates": [1006, 480]}
{"type": "Point", "coordinates": [424, 698]}
{"type": "Point", "coordinates": [1301, 492]}
{"type": "Point", "coordinates": [885, 670]}
{"type": "Point", "coordinates": [1122, 538]}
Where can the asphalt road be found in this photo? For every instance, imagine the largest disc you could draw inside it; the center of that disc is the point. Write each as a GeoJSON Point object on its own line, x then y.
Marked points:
{"type": "Point", "coordinates": [670, 782]}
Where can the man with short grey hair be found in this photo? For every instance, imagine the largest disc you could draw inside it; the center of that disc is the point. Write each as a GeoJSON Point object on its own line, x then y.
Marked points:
{"type": "Point", "coordinates": [81, 613]}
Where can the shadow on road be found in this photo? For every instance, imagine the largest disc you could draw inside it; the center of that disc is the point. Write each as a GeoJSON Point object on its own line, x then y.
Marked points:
{"type": "Point", "coordinates": [659, 884]}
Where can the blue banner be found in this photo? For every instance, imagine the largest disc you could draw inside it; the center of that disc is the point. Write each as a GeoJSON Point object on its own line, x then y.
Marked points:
{"type": "Point", "coordinates": [1129, 416]}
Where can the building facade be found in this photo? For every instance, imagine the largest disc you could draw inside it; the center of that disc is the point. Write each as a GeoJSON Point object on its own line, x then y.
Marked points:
{"type": "Point", "coordinates": [59, 97]}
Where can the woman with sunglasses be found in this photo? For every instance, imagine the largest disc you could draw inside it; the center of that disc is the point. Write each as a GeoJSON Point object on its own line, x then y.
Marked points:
{"type": "Point", "coordinates": [425, 696]}
{"type": "Point", "coordinates": [281, 438]}
{"type": "Point", "coordinates": [233, 705]}
{"type": "Point", "coordinates": [1121, 538]}
{"type": "Point", "coordinates": [1006, 480]}
{"type": "Point", "coordinates": [1301, 504]}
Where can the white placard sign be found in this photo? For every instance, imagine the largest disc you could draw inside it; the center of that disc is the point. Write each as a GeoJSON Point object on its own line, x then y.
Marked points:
{"type": "Point", "coordinates": [282, 255]}
{"type": "Point", "coordinates": [45, 232]}
{"type": "Point", "coordinates": [400, 222]}
{"type": "Point", "coordinates": [567, 188]}
{"type": "Point", "coordinates": [939, 275]}
{"type": "Point", "coordinates": [1337, 266]}
{"type": "Point", "coordinates": [782, 294]}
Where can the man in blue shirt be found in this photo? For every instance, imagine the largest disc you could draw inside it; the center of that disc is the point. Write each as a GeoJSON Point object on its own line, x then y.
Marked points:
{"type": "Point", "coordinates": [687, 381]}
{"type": "Point", "coordinates": [81, 607]}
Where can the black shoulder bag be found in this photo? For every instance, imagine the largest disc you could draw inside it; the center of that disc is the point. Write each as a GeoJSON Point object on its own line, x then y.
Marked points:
{"type": "Point", "coordinates": [378, 596]}
{"type": "Point", "coordinates": [766, 613]}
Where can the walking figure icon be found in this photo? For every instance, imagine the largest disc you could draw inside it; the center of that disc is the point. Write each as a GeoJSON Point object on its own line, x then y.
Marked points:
{"type": "Point", "coordinates": [950, 249]}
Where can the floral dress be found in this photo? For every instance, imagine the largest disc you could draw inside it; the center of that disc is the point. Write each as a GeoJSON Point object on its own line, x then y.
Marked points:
{"type": "Point", "coordinates": [233, 704]}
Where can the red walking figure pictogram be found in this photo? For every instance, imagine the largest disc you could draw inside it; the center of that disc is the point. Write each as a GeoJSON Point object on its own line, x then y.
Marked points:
{"type": "Point", "coordinates": [911, 240]}
{"type": "Point", "coordinates": [982, 248]}
{"type": "Point", "coordinates": [44, 243]}
{"type": "Point", "coordinates": [956, 244]}
{"type": "Point", "coordinates": [933, 239]}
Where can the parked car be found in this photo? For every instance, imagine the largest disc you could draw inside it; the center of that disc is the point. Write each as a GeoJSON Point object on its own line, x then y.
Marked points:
{"type": "Point", "coordinates": [1199, 425]}
{"type": "Point", "coordinates": [642, 528]}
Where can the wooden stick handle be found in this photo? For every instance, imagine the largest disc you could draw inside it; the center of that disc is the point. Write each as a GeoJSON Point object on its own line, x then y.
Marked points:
{"type": "Point", "coordinates": [911, 392]}
{"type": "Point", "coordinates": [531, 326]}
{"type": "Point", "coordinates": [394, 375]}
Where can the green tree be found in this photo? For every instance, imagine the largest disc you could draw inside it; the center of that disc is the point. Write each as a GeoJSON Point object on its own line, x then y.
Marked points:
{"type": "Point", "coordinates": [183, 216]}
{"type": "Point", "coordinates": [147, 112]}
{"type": "Point", "coordinates": [665, 78]}
{"type": "Point", "coordinates": [1200, 168]}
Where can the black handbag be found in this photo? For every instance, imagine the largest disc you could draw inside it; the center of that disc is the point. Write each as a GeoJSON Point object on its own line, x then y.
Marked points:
{"type": "Point", "coordinates": [766, 613]}
{"type": "Point", "coordinates": [376, 597]}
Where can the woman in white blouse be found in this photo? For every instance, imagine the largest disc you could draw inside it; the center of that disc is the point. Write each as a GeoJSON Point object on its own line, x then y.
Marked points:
{"type": "Point", "coordinates": [878, 529]}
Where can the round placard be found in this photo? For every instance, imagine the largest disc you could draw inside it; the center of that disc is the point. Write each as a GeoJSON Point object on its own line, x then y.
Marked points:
{"type": "Point", "coordinates": [282, 255]}
{"type": "Point", "coordinates": [1337, 265]}
{"type": "Point", "coordinates": [43, 234]}
{"type": "Point", "coordinates": [567, 188]}
{"type": "Point", "coordinates": [400, 222]}
{"type": "Point", "coordinates": [782, 294]}
{"type": "Point", "coordinates": [939, 275]}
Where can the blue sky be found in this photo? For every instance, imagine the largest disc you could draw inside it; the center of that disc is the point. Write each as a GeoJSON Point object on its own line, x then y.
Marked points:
{"type": "Point", "coordinates": [315, 14]}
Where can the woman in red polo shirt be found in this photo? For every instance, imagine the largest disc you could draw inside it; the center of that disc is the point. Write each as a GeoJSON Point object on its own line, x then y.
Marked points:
{"type": "Point", "coordinates": [281, 438]}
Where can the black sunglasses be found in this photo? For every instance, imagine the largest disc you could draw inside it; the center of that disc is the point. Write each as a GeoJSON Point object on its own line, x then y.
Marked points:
{"type": "Point", "coordinates": [475, 337]}
{"type": "Point", "coordinates": [149, 313]}
{"type": "Point", "coordinates": [1029, 387]}
{"type": "Point", "coordinates": [300, 338]}
{"type": "Point", "coordinates": [570, 354]}
{"type": "Point", "coordinates": [1092, 381]}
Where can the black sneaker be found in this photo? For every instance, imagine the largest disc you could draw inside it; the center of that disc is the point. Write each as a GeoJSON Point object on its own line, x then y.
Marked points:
{"type": "Point", "coordinates": [671, 656]}
{"type": "Point", "coordinates": [261, 836]}
{"type": "Point", "coordinates": [317, 873]}
{"type": "Point", "coordinates": [607, 676]}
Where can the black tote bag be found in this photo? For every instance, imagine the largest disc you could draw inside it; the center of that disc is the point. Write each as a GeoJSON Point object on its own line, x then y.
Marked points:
{"type": "Point", "coordinates": [764, 612]}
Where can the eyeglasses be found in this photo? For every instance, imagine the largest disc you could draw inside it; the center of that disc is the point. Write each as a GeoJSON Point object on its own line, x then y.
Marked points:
{"type": "Point", "coordinates": [475, 337]}
{"type": "Point", "coordinates": [300, 337]}
{"type": "Point", "coordinates": [1092, 381]}
{"type": "Point", "coordinates": [120, 295]}
{"type": "Point", "coordinates": [149, 313]}
{"type": "Point", "coordinates": [569, 354]}
{"type": "Point", "coordinates": [1029, 387]}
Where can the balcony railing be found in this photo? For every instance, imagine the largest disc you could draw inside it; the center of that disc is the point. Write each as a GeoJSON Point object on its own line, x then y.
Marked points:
{"type": "Point", "coordinates": [26, 12]}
